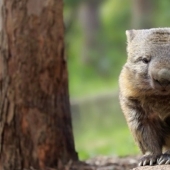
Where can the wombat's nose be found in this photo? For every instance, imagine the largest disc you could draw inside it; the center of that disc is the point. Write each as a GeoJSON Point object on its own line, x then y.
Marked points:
{"type": "Point", "coordinates": [162, 77]}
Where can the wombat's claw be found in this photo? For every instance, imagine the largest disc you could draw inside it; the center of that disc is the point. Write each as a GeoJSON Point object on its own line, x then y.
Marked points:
{"type": "Point", "coordinates": [148, 160]}
{"type": "Point", "coordinates": [164, 159]}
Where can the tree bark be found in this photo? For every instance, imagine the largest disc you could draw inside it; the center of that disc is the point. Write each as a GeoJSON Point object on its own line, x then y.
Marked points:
{"type": "Point", "coordinates": [35, 121]}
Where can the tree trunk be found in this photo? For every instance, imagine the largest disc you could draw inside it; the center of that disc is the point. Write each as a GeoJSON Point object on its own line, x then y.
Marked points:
{"type": "Point", "coordinates": [142, 14]}
{"type": "Point", "coordinates": [90, 21]}
{"type": "Point", "coordinates": [35, 122]}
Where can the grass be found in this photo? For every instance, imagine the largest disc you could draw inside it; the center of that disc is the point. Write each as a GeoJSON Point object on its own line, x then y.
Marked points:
{"type": "Point", "coordinates": [99, 126]}
{"type": "Point", "coordinates": [100, 129]}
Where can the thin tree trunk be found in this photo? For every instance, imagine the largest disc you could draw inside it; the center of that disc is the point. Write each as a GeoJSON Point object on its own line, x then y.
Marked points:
{"type": "Point", "coordinates": [90, 22]}
{"type": "Point", "coordinates": [142, 14]}
{"type": "Point", "coordinates": [35, 122]}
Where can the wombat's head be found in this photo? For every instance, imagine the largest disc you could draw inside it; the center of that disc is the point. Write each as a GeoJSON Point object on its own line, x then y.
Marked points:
{"type": "Point", "coordinates": [149, 59]}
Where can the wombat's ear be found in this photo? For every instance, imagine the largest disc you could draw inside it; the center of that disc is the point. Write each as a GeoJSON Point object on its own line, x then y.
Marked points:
{"type": "Point", "coordinates": [130, 34]}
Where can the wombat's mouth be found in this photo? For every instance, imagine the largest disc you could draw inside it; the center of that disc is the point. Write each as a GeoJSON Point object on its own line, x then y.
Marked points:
{"type": "Point", "coordinates": [161, 86]}
{"type": "Point", "coordinates": [161, 90]}
{"type": "Point", "coordinates": [164, 92]}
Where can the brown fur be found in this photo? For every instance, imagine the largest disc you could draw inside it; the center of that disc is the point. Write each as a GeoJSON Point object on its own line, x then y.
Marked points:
{"type": "Point", "coordinates": [145, 88]}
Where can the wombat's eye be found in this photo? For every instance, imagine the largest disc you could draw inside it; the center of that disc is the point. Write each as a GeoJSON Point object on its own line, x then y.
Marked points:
{"type": "Point", "coordinates": [145, 60]}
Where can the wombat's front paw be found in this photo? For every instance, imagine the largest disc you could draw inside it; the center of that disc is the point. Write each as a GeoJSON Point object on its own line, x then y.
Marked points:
{"type": "Point", "coordinates": [164, 159]}
{"type": "Point", "coordinates": [149, 160]}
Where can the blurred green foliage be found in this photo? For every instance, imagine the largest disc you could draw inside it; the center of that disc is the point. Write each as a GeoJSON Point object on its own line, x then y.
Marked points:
{"type": "Point", "coordinates": [99, 131]}
{"type": "Point", "coordinates": [84, 78]}
{"type": "Point", "coordinates": [104, 131]}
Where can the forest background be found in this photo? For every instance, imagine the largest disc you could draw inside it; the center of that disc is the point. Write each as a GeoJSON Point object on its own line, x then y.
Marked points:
{"type": "Point", "coordinates": [96, 51]}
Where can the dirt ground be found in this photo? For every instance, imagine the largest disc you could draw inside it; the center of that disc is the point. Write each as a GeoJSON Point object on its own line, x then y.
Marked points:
{"type": "Point", "coordinates": [107, 163]}
{"type": "Point", "coordinates": [104, 163]}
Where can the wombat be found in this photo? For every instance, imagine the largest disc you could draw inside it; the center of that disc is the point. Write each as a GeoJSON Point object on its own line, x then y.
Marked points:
{"type": "Point", "coordinates": [145, 92]}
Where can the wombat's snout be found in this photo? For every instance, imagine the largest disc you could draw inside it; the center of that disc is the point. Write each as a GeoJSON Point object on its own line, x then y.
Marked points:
{"type": "Point", "coordinates": [161, 78]}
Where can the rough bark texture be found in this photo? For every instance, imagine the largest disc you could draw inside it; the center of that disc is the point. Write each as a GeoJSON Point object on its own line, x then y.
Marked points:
{"type": "Point", "coordinates": [35, 122]}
